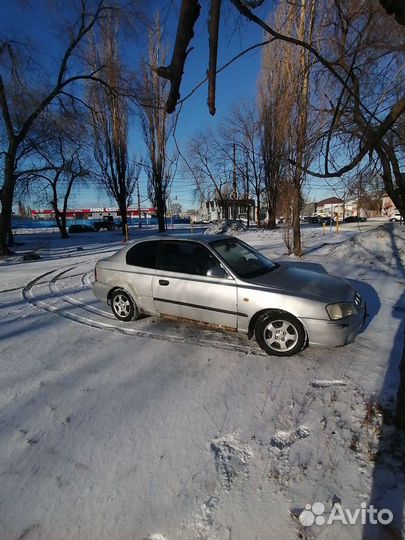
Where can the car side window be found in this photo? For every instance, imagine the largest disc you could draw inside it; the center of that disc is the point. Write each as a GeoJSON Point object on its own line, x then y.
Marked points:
{"type": "Point", "coordinates": [185, 257]}
{"type": "Point", "coordinates": [143, 254]}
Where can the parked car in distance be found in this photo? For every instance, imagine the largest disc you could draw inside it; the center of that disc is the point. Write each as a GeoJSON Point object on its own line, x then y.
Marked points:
{"type": "Point", "coordinates": [310, 219]}
{"type": "Point", "coordinates": [76, 228]}
{"type": "Point", "coordinates": [107, 224]}
{"type": "Point", "coordinates": [222, 280]}
{"type": "Point", "coordinates": [395, 217]}
{"type": "Point", "coordinates": [243, 219]}
{"type": "Point", "coordinates": [355, 219]}
{"type": "Point", "coordinates": [326, 220]}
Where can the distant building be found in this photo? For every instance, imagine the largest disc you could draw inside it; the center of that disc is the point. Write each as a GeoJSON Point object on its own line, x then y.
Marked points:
{"type": "Point", "coordinates": [91, 213]}
{"type": "Point", "coordinates": [227, 209]}
{"type": "Point", "coordinates": [388, 208]}
{"type": "Point", "coordinates": [330, 207]}
{"type": "Point", "coordinates": [366, 205]}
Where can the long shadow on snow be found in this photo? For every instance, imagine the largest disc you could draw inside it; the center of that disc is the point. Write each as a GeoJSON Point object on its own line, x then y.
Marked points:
{"type": "Point", "coordinates": [388, 488]}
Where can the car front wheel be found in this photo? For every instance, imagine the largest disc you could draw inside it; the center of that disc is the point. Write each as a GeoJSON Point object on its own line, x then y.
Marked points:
{"type": "Point", "coordinates": [123, 306]}
{"type": "Point", "coordinates": [280, 334]}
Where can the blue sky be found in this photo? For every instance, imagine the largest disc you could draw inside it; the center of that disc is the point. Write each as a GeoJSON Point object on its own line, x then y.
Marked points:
{"type": "Point", "coordinates": [237, 82]}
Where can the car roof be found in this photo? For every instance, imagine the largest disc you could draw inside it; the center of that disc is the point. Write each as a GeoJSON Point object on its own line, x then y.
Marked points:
{"type": "Point", "coordinates": [203, 238]}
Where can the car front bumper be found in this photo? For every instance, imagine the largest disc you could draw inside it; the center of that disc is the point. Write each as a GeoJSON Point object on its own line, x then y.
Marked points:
{"type": "Point", "coordinates": [335, 333]}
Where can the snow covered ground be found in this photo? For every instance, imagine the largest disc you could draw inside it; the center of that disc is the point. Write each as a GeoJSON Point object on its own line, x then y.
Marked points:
{"type": "Point", "coordinates": [165, 430]}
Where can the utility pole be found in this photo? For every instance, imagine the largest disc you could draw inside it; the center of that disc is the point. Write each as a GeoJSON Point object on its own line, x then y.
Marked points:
{"type": "Point", "coordinates": [139, 205]}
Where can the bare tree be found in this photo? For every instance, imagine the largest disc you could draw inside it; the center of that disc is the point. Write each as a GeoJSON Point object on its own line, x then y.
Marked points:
{"type": "Point", "coordinates": [65, 177]}
{"type": "Point", "coordinates": [275, 105]}
{"type": "Point", "coordinates": [155, 126]}
{"type": "Point", "coordinates": [243, 130]}
{"type": "Point", "coordinates": [56, 164]}
{"type": "Point", "coordinates": [371, 58]}
{"type": "Point", "coordinates": [22, 101]}
{"type": "Point", "coordinates": [109, 111]}
{"type": "Point", "coordinates": [185, 32]}
{"type": "Point", "coordinates": [370, 51]}
{"type": "Point", "coordinates": [210, 163]}
{"type": "Point", "coordinates": [284, 98]}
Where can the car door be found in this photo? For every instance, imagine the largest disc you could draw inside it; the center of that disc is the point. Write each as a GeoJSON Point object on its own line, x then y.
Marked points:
{"type": "Point", "coordinates": [181, 287]}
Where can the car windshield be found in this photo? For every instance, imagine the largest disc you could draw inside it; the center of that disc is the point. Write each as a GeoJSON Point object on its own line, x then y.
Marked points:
{"type": "Point", "coordinates": [245, 261]}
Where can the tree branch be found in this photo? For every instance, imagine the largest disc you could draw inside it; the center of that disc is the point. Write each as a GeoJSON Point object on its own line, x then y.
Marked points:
{"type": "Point", "coordinates": [5, 111]}
{"type": "Point", "coordinates": [213, 31]}
{"type": "Point", "coordinates": [372, 141]}
{"type": "Point", "coordinates": [244, 10]}
{"type": "Point", "coordinates": [189, 13]}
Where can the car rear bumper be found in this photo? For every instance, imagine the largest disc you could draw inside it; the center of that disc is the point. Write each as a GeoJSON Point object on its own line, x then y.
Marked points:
{"type": "Point", "coordinates": [101, 290]}
{"type": "Point", "coordinates": [335, 333]}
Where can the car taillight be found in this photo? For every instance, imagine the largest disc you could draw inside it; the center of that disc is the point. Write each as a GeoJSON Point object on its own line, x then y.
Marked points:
{"type": "Point", "coordinates": [95, 273]}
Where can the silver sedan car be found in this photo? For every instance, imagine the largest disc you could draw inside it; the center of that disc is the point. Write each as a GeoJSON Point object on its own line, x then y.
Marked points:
{"type": "Point", "coordinates": [223, 281]}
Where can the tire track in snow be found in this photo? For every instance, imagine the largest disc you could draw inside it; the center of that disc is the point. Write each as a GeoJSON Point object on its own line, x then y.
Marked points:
{"type": "Point", "coordinates": [59, 304]}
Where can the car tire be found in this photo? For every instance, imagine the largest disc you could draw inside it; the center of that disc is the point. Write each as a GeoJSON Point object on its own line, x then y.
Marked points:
{"type": "Point", "coordinates": [279, 333]}
{"type": "Point", "coordinates": [123, 306]}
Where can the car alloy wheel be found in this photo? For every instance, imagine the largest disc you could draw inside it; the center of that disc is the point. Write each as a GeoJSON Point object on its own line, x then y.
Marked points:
{"type": "Point", "coordinates": [280, 334]}
{"type": "Point", "coordinates": [123, 306]}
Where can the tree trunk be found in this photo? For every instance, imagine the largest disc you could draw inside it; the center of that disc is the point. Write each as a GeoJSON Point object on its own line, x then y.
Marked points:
{"type": "Point", "coordinates": [7, 195]}
{"type": "Point", "coordinates": [296, 220]}
{"type": "Point", "coordinates": [271, 212]}
{"type": "Point", "coordinates": [139, 205]}
{"type": "Point", "coordinates": [160, 209]}
{"type": "Point", "coordinates": [271, 222]}
{"type": "Point", "coordinates": [60, 217]}
{"type": "Point", "coordinates": [61, 223]}
{"type": "Point", "coordinates": [303, 105]}
{"type": "Point", "coordinates": [124, 219]}
{"type": "Point", "coordinates": [63, 230]}
{"type": "Point", "coordinates": [10, 239]}
{"type": "Point", "coordinates": [258, 209]}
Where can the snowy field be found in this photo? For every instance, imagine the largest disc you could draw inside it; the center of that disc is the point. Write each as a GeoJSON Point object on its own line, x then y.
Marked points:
{"type": "Point", "coordinates": [164, 430]}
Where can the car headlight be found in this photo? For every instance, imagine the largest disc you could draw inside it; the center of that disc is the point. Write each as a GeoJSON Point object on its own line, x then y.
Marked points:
{"type": "Point", "coordinates": [340, 310]}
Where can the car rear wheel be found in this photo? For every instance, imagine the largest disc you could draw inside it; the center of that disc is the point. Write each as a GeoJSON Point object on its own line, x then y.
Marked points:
{"type": "Point", "coordinates": [123, 306]}
{"type": "Point", "coordinates": [280, 334]}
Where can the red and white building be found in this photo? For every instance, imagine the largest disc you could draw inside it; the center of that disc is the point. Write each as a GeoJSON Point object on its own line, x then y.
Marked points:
{"type": "Point", "coordinates": [92, 213]}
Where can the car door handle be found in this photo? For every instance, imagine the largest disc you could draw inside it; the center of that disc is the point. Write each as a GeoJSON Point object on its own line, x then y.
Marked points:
{"type": "Point", "coordinates": [163, 282]}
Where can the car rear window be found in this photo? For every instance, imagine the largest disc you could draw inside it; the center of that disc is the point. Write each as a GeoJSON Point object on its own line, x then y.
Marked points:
{"type": "Point", "coordinates": [143, 254]}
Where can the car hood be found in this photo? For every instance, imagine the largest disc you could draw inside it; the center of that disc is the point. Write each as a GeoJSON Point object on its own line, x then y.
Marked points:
{"type": "Point", "coordinates": [306, 283]}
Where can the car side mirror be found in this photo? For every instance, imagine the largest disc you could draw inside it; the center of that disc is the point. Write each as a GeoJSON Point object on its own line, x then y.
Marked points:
{"type": "Point", "coordinates": [217, 272]}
